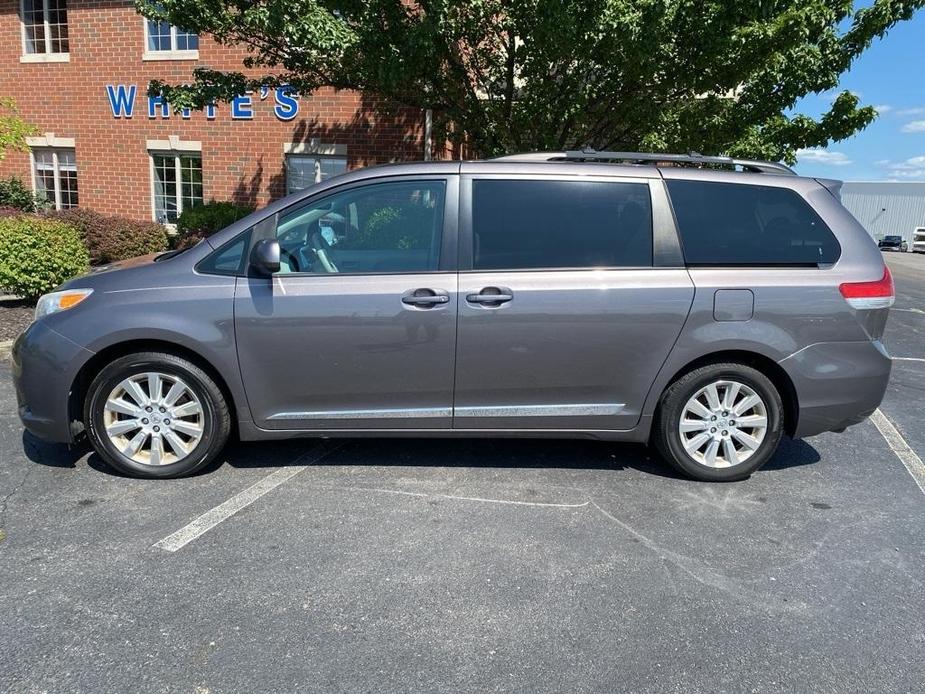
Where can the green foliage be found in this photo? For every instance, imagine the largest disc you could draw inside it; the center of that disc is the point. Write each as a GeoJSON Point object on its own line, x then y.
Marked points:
{"type": "Point", "coordinates": [37, 254]}
{"type": "Point", "coordinates": [15, 194]}
{"type": "Point", "coordinates": [109, 239]}
{"type": "Point", "coordinates": [202, 221]}
{"type": "Point", "coordinates": [405, 228]}
{"type": "Point", "coordinates": [13, 129]}
{"type": "Point", "coordinates": [516, 75]}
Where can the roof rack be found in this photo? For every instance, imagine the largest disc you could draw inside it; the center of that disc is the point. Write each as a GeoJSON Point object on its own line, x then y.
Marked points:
{"type": "Point", "coordinates": [749, 165]}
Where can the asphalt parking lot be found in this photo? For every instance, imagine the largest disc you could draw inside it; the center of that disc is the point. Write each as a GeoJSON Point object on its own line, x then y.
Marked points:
{"type": "Point", "coordinates": [497, 565]}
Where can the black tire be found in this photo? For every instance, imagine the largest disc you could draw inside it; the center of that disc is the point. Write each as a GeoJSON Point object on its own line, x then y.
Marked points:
{"type": "Point", "coordinates": [667, 438]}
{"type": "Point", "coordinates": [216, 418]}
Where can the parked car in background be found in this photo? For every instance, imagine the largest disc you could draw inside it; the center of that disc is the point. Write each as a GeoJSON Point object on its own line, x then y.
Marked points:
{"type": "Point", "coordinates": [573, 294]}
{"type": "Point", "coordinates": [918, 240]}
{"type": "Point", "coordinates": [893, 243]}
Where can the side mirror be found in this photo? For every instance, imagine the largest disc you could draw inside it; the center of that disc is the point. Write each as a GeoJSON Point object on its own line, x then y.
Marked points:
{"type": "Point", "coordinates": [265, 257]}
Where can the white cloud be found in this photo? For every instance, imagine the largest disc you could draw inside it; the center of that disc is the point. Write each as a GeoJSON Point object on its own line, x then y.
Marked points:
{"type": "Point", "coordinates": [916, 126]}
{"type": "Point", "coordinates": [817, 155]}
{"type": "Point", "coordinates": [883, 108]}
{"type": "Point", "coordinates": [917, 111]}
{"type": "Point", "coordinates": [914, 167]}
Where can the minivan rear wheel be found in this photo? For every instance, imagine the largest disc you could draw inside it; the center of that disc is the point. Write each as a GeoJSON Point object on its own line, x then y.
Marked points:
{"type": "Point", "coordinates": [719, 422]}
{"type": "Point", "coordinates": [156, 415]}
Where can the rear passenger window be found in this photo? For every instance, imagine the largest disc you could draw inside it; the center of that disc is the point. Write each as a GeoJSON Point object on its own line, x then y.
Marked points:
{"type": "Point", "coordinates": [734, 224]}
{"type": "Point", "coordinates": [560, 224]}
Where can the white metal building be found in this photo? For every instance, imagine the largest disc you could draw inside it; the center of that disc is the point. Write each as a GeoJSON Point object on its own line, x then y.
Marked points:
{"type": "Point", "coordinates": [886, 207]}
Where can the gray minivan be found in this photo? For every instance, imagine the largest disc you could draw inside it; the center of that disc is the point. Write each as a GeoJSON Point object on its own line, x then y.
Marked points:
{"type": "Point", "coordinates": [702, 304]}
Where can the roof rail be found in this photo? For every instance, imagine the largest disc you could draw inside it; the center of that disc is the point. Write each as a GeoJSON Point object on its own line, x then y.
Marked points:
{"type": "Point", "coordinates": [749, 165]}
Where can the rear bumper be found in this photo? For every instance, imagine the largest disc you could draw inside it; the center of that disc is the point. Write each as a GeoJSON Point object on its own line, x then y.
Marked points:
{"type": "Point", "coordinates": [837, 383]}
{"type": "Point", "coordinates": [44, 365]}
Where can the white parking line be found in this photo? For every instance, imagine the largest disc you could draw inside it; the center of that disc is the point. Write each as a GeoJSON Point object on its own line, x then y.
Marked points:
{"type": "Point", "coordinates": [908, 359]}
{"type": "Point", "coordinates": [903, 451]}
{"type": "Point", "coordinates": [224, 511]}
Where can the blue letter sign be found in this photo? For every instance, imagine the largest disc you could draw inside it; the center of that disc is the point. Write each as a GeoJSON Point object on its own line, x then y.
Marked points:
{"type": "Point", "coordinates": [286, 107]}
{"type": "Point", "coordinates": [122, 104]}
{"type": "Point", "coordinates": [121, 100]}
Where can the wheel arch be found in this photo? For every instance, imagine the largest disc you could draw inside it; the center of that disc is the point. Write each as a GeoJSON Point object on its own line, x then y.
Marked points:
{"type": "Point", "coordinates": [94, 365]}
{"type": "Point", "coordinates": [767, 366]}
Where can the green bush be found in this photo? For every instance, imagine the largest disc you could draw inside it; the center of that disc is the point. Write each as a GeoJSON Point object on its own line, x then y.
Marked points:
{"type": "Point", "coordinates": [15, 194]}
{"type": "Point", "coordinates": [390, 227]}
{"type": "Point", "coordinates": [37, 254]}
{"type": "Point", "coordinates": [201, 222]}
{"type": "Point", "coordinates": [109, 239]}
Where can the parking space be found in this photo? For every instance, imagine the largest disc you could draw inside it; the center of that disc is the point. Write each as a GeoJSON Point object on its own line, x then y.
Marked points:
{"type": "Point", "coordinates": [496, 565]}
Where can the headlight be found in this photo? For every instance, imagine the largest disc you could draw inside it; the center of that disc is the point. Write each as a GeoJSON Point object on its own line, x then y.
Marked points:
{"type": "Point", "coordinates": [60, 301]}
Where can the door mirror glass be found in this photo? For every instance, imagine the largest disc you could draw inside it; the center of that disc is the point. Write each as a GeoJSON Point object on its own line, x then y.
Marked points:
{"type": "Point", "coordinates": [265, 257]}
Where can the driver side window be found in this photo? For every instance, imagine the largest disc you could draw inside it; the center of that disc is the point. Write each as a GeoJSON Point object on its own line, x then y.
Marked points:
{"type": "Point", "coordinates": [379, 228]}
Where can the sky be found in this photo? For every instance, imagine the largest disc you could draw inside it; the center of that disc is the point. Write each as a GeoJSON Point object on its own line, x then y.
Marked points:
{"type": "Point", "coordinates": [890, 75]}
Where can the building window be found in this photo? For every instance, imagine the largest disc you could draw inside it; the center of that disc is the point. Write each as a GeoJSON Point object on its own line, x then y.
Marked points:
{"type": "Point", "coordinates": [177, 184]}
{"type": "Point", "coordinates": [164, 41]}
{"type": "Point", "coordinates": [55, 174]}
{"type": "Point", "coordinates": [303, 170]}
{"type": "Point", "coordinates": [44, 24]}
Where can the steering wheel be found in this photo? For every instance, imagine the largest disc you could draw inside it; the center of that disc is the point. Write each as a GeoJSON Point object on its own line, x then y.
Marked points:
{"type": "Point", "coordinates": [318, 246]}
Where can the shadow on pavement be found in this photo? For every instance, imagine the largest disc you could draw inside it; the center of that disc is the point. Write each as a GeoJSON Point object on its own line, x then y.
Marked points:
{"type": "Point", "coordinates": [430, 452]}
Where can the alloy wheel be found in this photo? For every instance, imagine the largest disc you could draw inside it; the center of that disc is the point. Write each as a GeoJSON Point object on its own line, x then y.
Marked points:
{"type": "Point", "coordinates": [154, 418]}
{"type": "Point", "coordinates": [723, 424]}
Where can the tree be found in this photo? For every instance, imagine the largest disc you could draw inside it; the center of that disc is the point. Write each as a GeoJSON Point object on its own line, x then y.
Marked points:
{"type": "Point", "coordinates": [13, 129]}
{"type": "Point", "coordinates": [715, 76]}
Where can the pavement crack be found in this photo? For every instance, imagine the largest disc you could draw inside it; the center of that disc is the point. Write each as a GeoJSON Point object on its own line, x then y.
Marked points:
{"type": "Point", "coordinates": [703, 574]}
{"type": "Point", "coordinates": [4, 503]}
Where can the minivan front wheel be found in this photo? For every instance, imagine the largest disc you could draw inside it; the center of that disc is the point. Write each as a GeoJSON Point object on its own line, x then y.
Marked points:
{"type": "Point", "coordinates": [720, 422]}
{"type": "Point", "coordinates": [156, 415]}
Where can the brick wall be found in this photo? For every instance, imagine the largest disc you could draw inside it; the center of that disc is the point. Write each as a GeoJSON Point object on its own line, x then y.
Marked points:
{"type": "Point", "coordinates": [242, 159]}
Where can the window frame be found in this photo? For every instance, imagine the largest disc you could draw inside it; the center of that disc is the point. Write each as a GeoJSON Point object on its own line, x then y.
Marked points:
{"type": "Point", "coordinates": [665, 249]}
{"type": "Point", "coordinates": [172, 53]}
{"type": "Point", "coordinates": [177, 155]}
{"type": "Point", "coordinates": [47, 55]}
{"type": "Point", "coordinates": [317, 157]}
{"type": "Point", "coordinates": [56, 173]}
{"type": "Point", "coordinates": [266, 227]}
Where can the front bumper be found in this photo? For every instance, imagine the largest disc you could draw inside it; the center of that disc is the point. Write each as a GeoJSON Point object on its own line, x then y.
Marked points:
{"type": "Point", "coordinates": [837, 383]}
{"type": "Point", "coordinates": [45, 364]}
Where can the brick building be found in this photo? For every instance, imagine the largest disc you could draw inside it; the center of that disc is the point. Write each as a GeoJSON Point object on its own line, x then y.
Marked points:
{"type": "Point", "coordinates": [79, 70]}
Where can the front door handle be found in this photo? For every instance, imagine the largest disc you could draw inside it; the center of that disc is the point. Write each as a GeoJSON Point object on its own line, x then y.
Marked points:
{"type": "Point", "coordinates": [424, 298]}
{"type": "Point", "coordinates": [491, 296]}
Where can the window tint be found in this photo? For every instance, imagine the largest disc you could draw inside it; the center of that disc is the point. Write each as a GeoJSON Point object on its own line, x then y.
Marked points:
{"type": "Point", "coordinates": [560, 224]}
{"type": "Point", "coordinates": [229, 259]}
{"type": "Point", "coordinates": [386, 227]}
{"type": "Point", "coordinates": [733, 224]}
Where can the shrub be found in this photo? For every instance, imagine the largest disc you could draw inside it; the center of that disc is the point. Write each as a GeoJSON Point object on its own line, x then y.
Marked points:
{"type": "Point", "coordinates": [15, 194]}
{"type": "Point", "coordinates": [390, 227]}
{"type": "Point", "coordinates": [114, 238]}
{"type": "Point", "coordinates": [37, 254]}
{"type": "Point", "coordinates": [201, 222]}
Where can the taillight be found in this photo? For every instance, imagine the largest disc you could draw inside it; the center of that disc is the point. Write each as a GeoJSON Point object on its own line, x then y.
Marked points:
{"type": "Point", "coordinates": [879, 294]}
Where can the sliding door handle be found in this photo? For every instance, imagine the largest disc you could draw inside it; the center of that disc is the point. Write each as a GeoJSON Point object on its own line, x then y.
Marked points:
{"type": "Point", "coordinates": [491, 296]}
